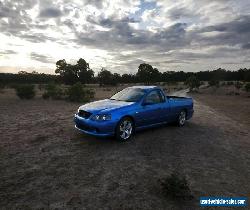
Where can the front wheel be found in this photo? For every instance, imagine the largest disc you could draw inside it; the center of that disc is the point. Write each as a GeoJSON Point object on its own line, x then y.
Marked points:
{"type": "Point", "coordinates": [124, 129]}
{"type": "Point", "coordinates": [181, 118]}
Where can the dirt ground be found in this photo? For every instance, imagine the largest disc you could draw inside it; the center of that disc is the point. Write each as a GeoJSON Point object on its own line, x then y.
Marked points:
{"type": "Point", "coordinates": [46, 164]}
{"type": "Point", "coordinates": [235, 107]}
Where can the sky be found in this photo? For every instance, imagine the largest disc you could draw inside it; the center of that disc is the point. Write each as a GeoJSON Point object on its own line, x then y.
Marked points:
{"type": "Point", "coordinates": [171, 35]}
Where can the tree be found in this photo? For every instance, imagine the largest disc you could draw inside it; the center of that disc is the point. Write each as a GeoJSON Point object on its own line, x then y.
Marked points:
{"type": "Point", "coordinates": [74, 73]}
{"type": "Point", "coordinates": [146, 73]}
{"type": "Point", "coordinates": [84, 72]}
{"type": "Point", "coordinates": [68, 72]}
{"type": "Point", "coordinates": [105, 77]}
{"type": "Point", "coordinates": [193, 82]}
{"type": "Point", "coordinates": [23, 72]}
{"type": "Point", "coordinates": [117, 77]}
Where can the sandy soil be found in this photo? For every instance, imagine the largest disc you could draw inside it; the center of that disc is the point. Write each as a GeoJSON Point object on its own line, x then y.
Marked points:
{"type": "Point", "coordinates": [46, 164]}
{"type": "Point", "coordinates": [235, 107]}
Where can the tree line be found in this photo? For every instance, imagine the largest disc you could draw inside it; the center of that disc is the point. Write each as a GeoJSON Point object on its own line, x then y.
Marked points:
{"type": "Point", "coordinates": [81, 72]}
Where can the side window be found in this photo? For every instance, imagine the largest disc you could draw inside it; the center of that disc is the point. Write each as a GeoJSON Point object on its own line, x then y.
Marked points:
{"type": "Point", "coordinates": [162, 96]}
{"type": "Point", "coordinates": [153, 97]}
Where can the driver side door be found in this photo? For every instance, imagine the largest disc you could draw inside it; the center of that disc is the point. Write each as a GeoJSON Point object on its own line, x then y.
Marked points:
{"type": "Point", "coordinates": [151, 109]}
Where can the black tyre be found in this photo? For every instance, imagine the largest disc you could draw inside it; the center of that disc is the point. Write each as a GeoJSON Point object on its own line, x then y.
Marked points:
{"type": "Point", "coordinates": [124, 129]}
{"type": "Point", "coordinates": [181, 118]}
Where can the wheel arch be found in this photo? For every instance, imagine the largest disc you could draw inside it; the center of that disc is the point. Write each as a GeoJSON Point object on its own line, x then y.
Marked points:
{"type": "Point", "coordinates": [186, 110]}
{"type": "Point", "coordinates": [129, 116]}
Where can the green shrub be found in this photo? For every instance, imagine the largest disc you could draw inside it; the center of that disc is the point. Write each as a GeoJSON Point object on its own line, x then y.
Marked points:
{"type": "Point", "coordinates": [172, 83]}
{"type": "Point", "coordinates": [77, 93]}
{"type": "Point", "coordinates": [202, 83]}
{"type": "Point", "coordinates": [2, 86]}
{"type": "Point", "coordinates": [238, 85]}
{"type": "Point", "coordinates": [214, 82]}
{"type": "Point", "coordinates": [13, 85]}
{"type": "Point", "coordinates": [176, 187]}
{"type": "Point", "coordinates": [90, 93]}
{"type": "Point", "coordinates": [25, 91]}
{"type": "Point", "coordinates": [192, 82]}
{"type": "Point", "coordinates": [247, 87]}
{"type": "Point", "coordinates": [53, 91]}
{"type": "Point", "coordinates": [230, 83]}
{"type": "Point", "coordinates": [41, 86]}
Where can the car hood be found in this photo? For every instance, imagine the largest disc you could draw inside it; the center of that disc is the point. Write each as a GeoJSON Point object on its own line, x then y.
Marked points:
{"type": "Point", "coordinates": [104, 105]}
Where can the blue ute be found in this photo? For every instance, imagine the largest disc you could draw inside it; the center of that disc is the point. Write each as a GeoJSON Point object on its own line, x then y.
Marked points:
{"type": "Point", "coordinates": [133, 108]}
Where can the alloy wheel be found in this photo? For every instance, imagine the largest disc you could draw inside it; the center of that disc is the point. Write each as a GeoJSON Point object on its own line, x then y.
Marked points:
{"type": "Point", "coordinates": [182, 118]}
{"type": "Point", "coordinates": [125, 129]}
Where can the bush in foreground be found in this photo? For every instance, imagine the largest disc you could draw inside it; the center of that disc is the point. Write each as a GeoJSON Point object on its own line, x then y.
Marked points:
{"type": "Point", "coordinates": [78, 93]}
{"type": "Point", "coordinates": [25, 91]}
{"type": "Point", "coordinates": [53, 91]}
{"type": "Point", "coordinates": [176, 187]}
{"type": "Point", "coordinates": [247, 87]}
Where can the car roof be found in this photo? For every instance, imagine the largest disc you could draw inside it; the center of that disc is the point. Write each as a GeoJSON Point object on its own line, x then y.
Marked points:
{"type": "Point", "coordinates": [144, 87]}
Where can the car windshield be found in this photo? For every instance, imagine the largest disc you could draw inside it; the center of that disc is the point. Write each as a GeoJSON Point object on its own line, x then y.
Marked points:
{"type": "Point", "coordinates": [129, 95]}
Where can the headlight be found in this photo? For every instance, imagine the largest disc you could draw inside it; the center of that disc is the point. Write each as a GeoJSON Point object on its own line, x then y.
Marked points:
{"type": "Point", "coordinates": [101, 117]}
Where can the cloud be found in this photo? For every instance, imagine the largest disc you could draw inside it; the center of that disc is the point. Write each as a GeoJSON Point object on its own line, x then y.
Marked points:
{"type": "Point", "coordinates": [235, 32]}
{"type": "Point", "coordinates": [41, 58]}
{"type": "Point", "coordinates": [246, 46]}
{"type": "Point", "coordinates": [183, 34]}
{"type": "Point", "coordinates": [8, 52]}
{"type": "Point", "coordinates": [50, 13]}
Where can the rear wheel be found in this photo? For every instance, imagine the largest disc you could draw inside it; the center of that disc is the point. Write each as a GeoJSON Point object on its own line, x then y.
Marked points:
{"type": "Point", "coordinates": [124, 129]}
{"type": "Point", "coordinates": [181, 118]}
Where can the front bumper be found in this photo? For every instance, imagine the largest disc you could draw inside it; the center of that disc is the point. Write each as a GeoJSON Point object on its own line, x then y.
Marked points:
{"type": "Point", "coordinates": [95, 128]}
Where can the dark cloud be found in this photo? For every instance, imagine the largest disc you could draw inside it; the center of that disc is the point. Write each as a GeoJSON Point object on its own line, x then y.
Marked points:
{"type": "Point", "coordinates": [236, 32]}
{"type": "Point", "coordinates": [122, 35]}
{"type": "Point", "coordinates": [238, 25]}
{"type": "Point", "coordinates": [50, 13]}
{"type": "Point", "coordinates": [41, 58]}
{"type": "Point", "coordinates": [180, 12]}
{"type": "Point", "coordinates": [110, 22]}
{"type": "Point", "coordinates": [37, 37]}
{"type": "Point", "coordinates": [5, 11]}
{"type": "Point", "coordinates": [7, 52]}
{"type": "Point", "coordinates": [246, 46]}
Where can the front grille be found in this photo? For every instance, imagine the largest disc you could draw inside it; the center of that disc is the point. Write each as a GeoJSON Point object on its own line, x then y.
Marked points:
{"type": "Point", "coordinates": [84, 114]}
